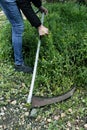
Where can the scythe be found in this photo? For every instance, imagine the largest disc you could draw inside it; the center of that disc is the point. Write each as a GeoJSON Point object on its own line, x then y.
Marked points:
{"type": "Point", "coordinates": [42, 101]}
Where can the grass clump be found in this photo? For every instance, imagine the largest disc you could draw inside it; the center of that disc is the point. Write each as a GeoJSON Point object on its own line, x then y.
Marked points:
{"type": "Point", "coordinates": [63, 53]}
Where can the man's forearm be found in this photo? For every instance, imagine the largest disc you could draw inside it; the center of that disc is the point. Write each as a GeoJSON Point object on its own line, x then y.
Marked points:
{"type": "Point", "coordinates": [37, 3]}
{"type": "Point", "coordinates": [29, 13]}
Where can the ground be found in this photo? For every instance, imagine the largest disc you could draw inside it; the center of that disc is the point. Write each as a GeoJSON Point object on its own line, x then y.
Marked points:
{"type": "Point", "coordinates": [16, 115]}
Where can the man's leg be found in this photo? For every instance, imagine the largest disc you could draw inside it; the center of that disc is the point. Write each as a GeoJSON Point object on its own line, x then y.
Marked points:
{"type": "Point", "coordinates": [13, 14]}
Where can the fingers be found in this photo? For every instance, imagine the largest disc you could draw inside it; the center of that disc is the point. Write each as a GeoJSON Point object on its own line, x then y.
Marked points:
{"type": "Point", "coordinates": [43, 30]}
{"type": "Point", "coordinates": [43, 9]}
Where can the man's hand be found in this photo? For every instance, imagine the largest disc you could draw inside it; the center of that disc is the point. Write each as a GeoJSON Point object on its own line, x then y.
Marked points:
{"type": "Point", "coordinates": [43, 10]}
{"type": "Point", "coordinates": [42, 30]}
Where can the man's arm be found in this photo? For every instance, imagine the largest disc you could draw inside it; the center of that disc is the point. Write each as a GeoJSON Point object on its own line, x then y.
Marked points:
{"type": "Point", "coordinates": [29, 13]}
{"type": "Point", "coordinates": [37, 3]}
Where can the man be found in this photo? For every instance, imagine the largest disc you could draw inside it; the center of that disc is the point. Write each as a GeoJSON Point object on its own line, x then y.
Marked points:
{"type": "Point", "coordinates": [12, 11]}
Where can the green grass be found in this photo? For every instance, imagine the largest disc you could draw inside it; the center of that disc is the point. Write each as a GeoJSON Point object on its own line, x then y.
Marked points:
{"type": "Point", "coordinates": [62, 63]}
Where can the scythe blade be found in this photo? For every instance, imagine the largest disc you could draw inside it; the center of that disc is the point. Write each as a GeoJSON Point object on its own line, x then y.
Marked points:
{"type": "Point", "coordinates": [42, 101]}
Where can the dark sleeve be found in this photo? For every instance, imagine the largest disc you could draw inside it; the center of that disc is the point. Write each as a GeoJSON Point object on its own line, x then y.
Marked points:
{"type": "Point", "coordinates": [37, 3]}
{"type": "Point", "coordinates": [29, 13]}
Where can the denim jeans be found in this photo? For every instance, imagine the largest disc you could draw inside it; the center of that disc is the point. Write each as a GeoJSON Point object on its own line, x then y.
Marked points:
{"type": "Point", "coordinates": [14, 16]}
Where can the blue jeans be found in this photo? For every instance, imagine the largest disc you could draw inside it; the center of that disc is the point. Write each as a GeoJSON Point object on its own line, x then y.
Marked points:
{"type": "Point", "coordinates": [14, 16]}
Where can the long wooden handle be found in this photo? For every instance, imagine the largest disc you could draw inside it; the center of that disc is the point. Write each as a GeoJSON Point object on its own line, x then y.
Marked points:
{"type": "Point", "coordinates": [35, 66]}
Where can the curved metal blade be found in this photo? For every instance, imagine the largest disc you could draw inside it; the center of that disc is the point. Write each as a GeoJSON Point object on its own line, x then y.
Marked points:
{"type": "Point", "coordinates": [42, 101]}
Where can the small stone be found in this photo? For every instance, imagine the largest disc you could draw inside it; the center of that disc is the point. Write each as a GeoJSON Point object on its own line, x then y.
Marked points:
{"type": "Point", "coordinates": [56, 117]}
{"type": "Point", "coordinates": [77, 128]}
{"type": "Point", "coordinates": [33, 113]}
{"type": "Point", "coordinates": [4, 108]}
{"type": "Point", "coordinates": [14, 102]}
{"type": "Point", "coordinates": [63, 114]}
{"type": "Point", "coordinates": [4, 118]}
{"type": "Point", "coordinates": [28, 126]}
{"type": "Point", "coordinates": [48, 120]}
{"type": "Point", "coordinates": [68, 124]}
{"type": "Point", "coordinates": [42, 123]}
{"type": "Point", "coordinates": [0, 126]}
{"type": "Point", "coordinates": [67, 129]}
{"type": "Point", "coordinates": [2, 114]}
{"type": "Point", "coordinates": [70, 110]}
{"type": "Point", "coordinates": [23, 85]}
{"type": "Point", "coordinates": [4, 127]}
{"type": "Point", "coordinates": [85, 126]}
{"type": "Point", "coordinates": [38, 118]}
{"type": "Point", "coordinates": [1, 98]}
{"type": "Point", "coordinates": [45, 119]}
{"type": "Point", "coordinates": [26, 113]}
